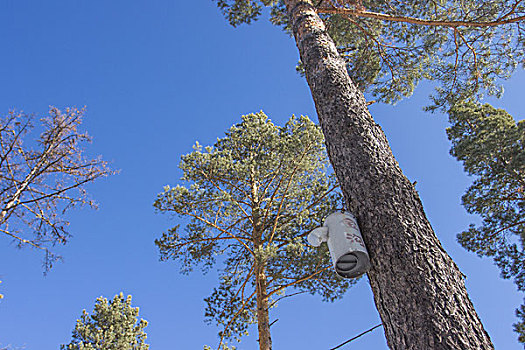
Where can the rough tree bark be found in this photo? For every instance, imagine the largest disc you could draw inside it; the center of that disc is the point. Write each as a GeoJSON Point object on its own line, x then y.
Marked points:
{"type": "Point", "coordinates": [418, 290]}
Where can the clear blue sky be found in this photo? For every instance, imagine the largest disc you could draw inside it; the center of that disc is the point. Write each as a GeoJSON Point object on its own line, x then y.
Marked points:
{"type": "Point", "coordinates": [156, 76]}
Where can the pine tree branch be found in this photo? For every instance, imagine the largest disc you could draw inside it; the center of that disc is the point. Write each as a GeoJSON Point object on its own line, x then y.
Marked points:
{"type": "Point", "coordinates": [221, 204]}
{"type": "Point", "coordinates": [275, 174]}
{"type": "Point", "coordinates": [456, 58]}
{"type": "Point", "coordinates": [297, 281]}
{"type": "Point", "coordinates": [225, 193]}
{"type": "Point", "coordinates": [475, 57]}
{"type": "Point", "coordinates": [270, 202]}
{"type": "Point", "coordinates": [294, 171]}
{"type": "Point", "coordinates": [284, 297]}
{"type": "Point", "coordinates": [512, 10]}
{"type": "Point", "coordinates": [225, 182]}
{"type": "Point", "coordinates": [241, 289]}
{"type": "Point", "coordinates": [193, 241]}
{"type": "Point", "coordinates": [454, 24]}
{"type": "Point", "coordinates": [233, 319]}
{"type": "Point", "coordinates": [506, 228]}
{"type": "Point", "coordinates": [220, 229]}
{"type": "Point", "coordinates": [317, 201]}
{"type": "Point", "coordinates": [380, 47]}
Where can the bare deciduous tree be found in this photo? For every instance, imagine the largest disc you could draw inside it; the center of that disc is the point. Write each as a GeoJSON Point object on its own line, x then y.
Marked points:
{"type": "Point", "coordinates": [41, 179]}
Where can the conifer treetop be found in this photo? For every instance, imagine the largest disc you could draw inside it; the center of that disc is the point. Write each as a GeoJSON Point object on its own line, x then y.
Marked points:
{"type": "Point", "coordinates": [114, 325]}
{"type": "Point", "coordinates": [248, 203]}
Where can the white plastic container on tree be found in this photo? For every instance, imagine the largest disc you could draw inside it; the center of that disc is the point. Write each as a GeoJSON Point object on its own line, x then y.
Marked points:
{"type": "Point", "coordinates": [346, 245]}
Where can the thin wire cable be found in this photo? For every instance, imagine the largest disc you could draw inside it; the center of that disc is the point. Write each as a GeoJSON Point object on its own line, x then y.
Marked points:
{"type": "Point", "coordinates": [357, 336]}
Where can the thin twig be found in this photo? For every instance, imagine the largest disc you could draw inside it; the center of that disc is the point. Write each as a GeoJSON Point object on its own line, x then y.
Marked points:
{"type": "Point", "coordinates": [284, 297]}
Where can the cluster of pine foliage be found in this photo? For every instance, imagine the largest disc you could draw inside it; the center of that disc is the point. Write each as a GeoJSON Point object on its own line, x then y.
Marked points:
{"type": "Point", "coordinates": [113, 325]}
{"type": "Point", "coordinates": [491, 145]}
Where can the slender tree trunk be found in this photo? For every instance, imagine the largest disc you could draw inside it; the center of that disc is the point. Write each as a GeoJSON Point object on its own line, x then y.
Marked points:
{"type": "Point", "coordinates": [418, 290]}
{"type": "Point", "coordinates": [263, 316]}
{"type": "Point", "coordinates": [261, 284]}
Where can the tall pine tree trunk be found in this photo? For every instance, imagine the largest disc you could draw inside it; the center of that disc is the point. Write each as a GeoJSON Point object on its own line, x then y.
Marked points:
{"type": "Point", "coordinates": [418, 290]}
{"type": "Point", "coordinates": [261, 283]}
{"type": "Point", "coordinates": [263, 312]}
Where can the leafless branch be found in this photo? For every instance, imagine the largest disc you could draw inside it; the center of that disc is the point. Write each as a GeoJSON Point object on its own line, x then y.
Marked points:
{"type": "Point", "coordinates": [40, 182]}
